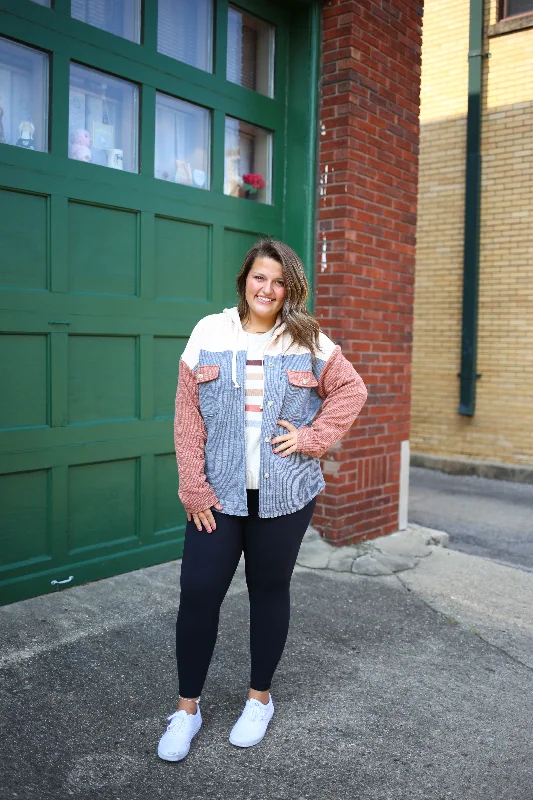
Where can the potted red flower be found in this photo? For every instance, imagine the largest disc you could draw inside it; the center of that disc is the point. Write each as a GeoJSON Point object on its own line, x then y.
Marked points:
{"type": "Point", "coordinates": [253, 183]}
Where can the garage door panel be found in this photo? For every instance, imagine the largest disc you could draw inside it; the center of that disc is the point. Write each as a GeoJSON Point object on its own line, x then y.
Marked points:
{"type": "Point", "coordinates": [24, 237]}
{"type": "Point", "coordinates": [102, 378]}
{"type": "Point", "coordinates": [102, 505]}
{"type": "Point", "coordinates": [167, 352]}
{"type": "Point", "coordinates": [103, 249]}
{"type": "Point", "coordinates": [183, 263]}
{"type": "Point", "coordinates": [169, 514]}
{"type": "Point", "coordinates": [236, 245]}
{"type": "Point", "coordinates": [24, 377]}
{"type": "Point", "coordinates": [24, 518]}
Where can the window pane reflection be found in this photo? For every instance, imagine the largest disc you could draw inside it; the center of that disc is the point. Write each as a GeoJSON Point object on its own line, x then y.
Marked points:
{"type": "Point", "coordinates": [250, 59]}
{"type": "Point", "coordinates": [103, 119]}
{"type": "Point", "coordinates": [185, 31]}
{"type": "Point", "coordinates": [42, 3]}
{"type": "Point", "coordinates": [515, 7]}
{"type": "Point", "coordinates": [181, 142]}
{"type": "Point", "coordinates": [23, 96]}
{"type": "Point", "coordinates": [121, 17]}
{"type": "Point", "coordinates": [247, 162]}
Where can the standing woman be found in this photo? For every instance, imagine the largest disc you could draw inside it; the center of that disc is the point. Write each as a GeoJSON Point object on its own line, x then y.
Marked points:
{"type": "Point", "coordinates": [262, 394]}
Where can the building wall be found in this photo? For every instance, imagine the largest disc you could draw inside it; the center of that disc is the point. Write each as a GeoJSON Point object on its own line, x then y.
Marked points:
{"type": "Point", "coordinates": [502, 428]}
{"type": "Point", "coordinates": [366, 239]}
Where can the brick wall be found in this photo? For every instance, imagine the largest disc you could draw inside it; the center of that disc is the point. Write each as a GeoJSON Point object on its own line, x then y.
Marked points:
{"type": "Point", "coordinates": [366, 246]}
{"type": "Point", "coordinates": [502, 428]}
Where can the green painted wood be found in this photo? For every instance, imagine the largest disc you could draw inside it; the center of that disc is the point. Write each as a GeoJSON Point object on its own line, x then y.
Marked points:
{"type": "Point", "coordinates": [25, 497]}
{"type": "Point", "coordinates": [97, 303]}
{"type": "Point", "coordinates": [24, 262]}
{"type": "Point", "coordinates": [169, 517]}
{"type": "Point", "coordinates": [58, 377]}
{"type": "Point", "coordinates": [58, 513]}
{"type": "Point", "coordinates": [147, 498]}
{"type": "Point", "coordinates": [182, 264]}
{"type": "Point", "coordinates": [302, 136]}
{"type": "Point", "coordinates": [24, 395]}
{"type": "Point", "coordinates": [102, 250]}
{"type": "Point", "coordinates": [58, 244]}
{"type": "Point", "coordinates": [103, 503]}
{"type": "Point", "coordinates": [146, 376]}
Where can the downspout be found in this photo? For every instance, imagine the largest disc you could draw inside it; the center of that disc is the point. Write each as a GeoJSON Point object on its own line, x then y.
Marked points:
{"type": "Point", "coordinates": [468, 375]}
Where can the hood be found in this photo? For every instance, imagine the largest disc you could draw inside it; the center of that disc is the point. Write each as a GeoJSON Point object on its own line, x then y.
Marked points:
{"type": "Point", "coordinates": [240, 338]}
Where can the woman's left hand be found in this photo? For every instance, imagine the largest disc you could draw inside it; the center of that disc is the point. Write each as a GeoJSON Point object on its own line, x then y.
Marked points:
{"type": "Point", "coordinates": [288, 442]}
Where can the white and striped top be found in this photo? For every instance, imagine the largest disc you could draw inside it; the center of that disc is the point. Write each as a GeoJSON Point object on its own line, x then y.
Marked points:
{"type": "Point", "coordinates": [253, 408]}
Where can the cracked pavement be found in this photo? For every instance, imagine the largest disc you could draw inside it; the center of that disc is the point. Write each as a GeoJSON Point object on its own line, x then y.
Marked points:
{"type": "Point", "coordinates": [407, 676]}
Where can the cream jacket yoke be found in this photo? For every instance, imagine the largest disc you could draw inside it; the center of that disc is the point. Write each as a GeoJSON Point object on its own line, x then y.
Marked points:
{"type": "Point", "coordinates": [322, 400]}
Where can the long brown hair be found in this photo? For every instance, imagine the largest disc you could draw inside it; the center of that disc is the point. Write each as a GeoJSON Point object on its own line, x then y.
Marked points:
{"type": "Point", "coordinates": [300, 323]}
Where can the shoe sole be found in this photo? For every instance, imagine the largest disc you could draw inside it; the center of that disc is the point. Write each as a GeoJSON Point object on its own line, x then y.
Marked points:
{"type": "Point", "coordinates": [248, 744]}
{"type": "Point", "coordinates": [179, 758]}
{"type": "Point", "coordinates": [255, 741]}
{"type": "Point", "coordinates": [173, 759]}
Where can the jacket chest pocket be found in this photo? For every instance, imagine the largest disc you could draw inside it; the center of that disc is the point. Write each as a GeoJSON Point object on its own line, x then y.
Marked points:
{"type": "Point", "coordinates": [208, 380]}
{"type": "Point", "coordinates": [301, 387]}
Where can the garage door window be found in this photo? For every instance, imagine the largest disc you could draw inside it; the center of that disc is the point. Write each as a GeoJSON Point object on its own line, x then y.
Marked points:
{"type": "Point", "coordinates": [23, 96]}
{"type": "Point", "coordinates": [103, 119]}
{"type": "Point", "coordinates": [182, 142]}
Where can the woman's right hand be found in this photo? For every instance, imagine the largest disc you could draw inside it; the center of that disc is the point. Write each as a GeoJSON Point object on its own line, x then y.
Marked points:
{"type": "Point", "coordinates": [204, 518]}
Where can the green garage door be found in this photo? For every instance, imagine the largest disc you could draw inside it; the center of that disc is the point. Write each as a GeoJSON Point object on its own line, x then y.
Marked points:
{"type": "Point", "coordinates": [130, 147]}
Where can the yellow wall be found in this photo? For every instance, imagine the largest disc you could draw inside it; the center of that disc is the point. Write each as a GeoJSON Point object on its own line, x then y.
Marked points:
{"type": "Point", "coordinates": [502, 428]}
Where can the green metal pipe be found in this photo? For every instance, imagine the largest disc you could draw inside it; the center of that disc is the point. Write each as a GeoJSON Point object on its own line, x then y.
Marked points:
{"type": "Point", "coordinates": [468, 375]}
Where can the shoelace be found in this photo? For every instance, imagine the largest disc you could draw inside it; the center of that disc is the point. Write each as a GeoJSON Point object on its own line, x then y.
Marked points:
{"type": "Point", "coordinates": [253, 710]}
{"type": "Point", "coordinates": [177, 720]}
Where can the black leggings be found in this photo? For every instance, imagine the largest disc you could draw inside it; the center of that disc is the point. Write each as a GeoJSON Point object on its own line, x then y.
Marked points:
{"type": "Point", "coordinates": [209, 562]}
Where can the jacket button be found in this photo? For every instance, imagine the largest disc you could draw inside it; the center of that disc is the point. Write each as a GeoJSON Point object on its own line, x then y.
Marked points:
{"type": "Point", "coordinates": [266, 474]}
{"type": "Point", "coordinates": [305, 380]}
{"type": "Point", "coordinates": [270, 402]}
{"type": "Point", "coordinates": [267, 438]}
{"type": "Point", "coordinates": [270, 363]}
{"type": "Point", "coordinates": [200, 375]}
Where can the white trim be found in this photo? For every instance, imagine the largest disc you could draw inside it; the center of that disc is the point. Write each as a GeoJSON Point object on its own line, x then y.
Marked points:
{"type": "Point", "coordinates": [403, 505]}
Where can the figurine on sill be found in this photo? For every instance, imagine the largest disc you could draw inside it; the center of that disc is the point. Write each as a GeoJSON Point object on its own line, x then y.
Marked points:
{"type": "Point", "coordinates": [80, 145]}
{"type": "Point", "coordinates": [26, 131]}
{"type": "Point", "coordinates": [3, 139]}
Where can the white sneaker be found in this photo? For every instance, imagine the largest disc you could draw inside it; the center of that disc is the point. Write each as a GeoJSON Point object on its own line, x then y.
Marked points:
{"type": "Point", "coordinates": [252, 724]}
{"type": "Point", "coordinates": [176, 741]}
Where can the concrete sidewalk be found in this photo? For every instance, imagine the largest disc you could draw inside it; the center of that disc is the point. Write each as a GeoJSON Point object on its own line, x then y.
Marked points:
{"type": "Point", "coordinates": [412, 682]}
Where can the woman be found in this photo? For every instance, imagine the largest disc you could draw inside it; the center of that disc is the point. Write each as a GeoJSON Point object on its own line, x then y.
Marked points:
{"type": "Point", "coordinates": [262, 394]}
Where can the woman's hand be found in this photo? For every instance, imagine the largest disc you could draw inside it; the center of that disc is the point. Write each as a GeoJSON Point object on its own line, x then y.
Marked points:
{"type": "Point", "coordinates": [288, 442]}
{"type": "Point", "coordinates": [204, 518]}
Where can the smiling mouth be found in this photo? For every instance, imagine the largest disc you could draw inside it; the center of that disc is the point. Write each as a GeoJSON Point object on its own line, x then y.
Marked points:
{"type": "Point", "coordinates": [264, 300]}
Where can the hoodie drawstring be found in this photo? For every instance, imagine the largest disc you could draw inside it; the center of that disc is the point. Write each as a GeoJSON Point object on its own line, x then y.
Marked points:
{"type": "Point", "coordinates": [233, 314]}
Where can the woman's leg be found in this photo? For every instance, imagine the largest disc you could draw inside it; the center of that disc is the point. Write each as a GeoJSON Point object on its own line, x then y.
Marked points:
{"type": "Point", "coordinates": [270, 549]}
{"type": "Point", "coordinates": [208, 565]}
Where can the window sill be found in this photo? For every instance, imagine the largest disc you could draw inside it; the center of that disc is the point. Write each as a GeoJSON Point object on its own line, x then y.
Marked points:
{"type": "Point", "coordinates": [511, 25]}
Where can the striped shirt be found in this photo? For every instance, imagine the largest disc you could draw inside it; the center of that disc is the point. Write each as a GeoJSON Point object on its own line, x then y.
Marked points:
{"type": "Point", "coordinates": [253, 408]}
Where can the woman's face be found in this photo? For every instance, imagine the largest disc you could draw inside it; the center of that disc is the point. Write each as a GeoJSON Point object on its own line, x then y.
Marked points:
{"type": "Point", "coordinates": [265, 290]}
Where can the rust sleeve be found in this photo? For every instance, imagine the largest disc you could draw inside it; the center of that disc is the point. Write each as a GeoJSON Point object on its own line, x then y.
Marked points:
{"type": "Point", "coordinates": [344, 395]}
{"type": "Point", "coordinates": [190, 436]}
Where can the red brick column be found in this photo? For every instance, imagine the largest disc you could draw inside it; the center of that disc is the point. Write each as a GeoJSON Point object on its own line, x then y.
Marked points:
{"type": "Point", "coordinates": [366, 247]}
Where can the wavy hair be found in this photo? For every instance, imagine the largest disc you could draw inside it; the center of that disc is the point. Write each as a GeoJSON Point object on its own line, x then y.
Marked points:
{"type": "Point", "coordinates": [300, 323]}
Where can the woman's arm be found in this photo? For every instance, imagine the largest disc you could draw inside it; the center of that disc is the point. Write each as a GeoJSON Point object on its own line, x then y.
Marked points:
{"type": "Point", "coordinates": [344, 394]}
{"type": "Point", "coordinates": [190, 436]}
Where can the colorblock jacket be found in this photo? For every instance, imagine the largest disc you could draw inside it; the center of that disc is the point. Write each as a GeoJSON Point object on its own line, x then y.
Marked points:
{"type": "Point", "coordinates": [322, 400]}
